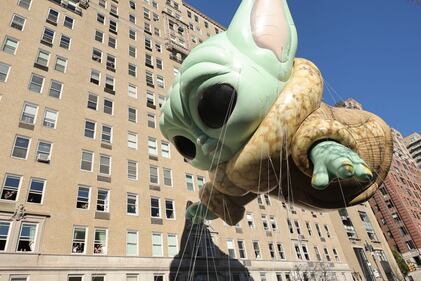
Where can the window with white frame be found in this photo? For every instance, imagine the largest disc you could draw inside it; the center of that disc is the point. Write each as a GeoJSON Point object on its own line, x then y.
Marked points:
{"type": "Point", "coordinates": [86, 160]}
{"type": "Point", "coordinates": [132, 91]}
{"type": "Point", "coordinates": [132, 114]}
{"type": "Point", "coordinates": [317, 252]}
{"type": "Point", "coordinates": [242, 249]}
{"type": "Point", "coordinates": [148, 60]}
{"type": "Point", "coordinates": [100, 242]}
{"type": "Point", "coordinates": [103, 3]}
{"type": "Point", "coordinates": [109, 82]}
{"type": "Point", "coordinates": [273, 223]}
{"type": "Point", "coordinates": [50, 118]}
{"type": "Point", "coordinates": [327, 230]}
{"type": "Point", "coordinates": [165, 149]}
{"type": "Point", "coordinates": [318, 230]}
{"type": "Point", "coordinates": [100, 18]}
{"type": "Point", "coordinates": [98, 277]}
{"type": "Point", "coordinates": [172, 245]}
{"type": "Point", "coordinates": [326, 252]}
{"type": "Point", "coordinates": [79, 240]}
{"type": "Point", "coordinates": [132, 34]}
{"type": "Point", "coordinates": [44, 151]}
{"type": "Point", "coordinates": [230, 248]}
{"type": "Point", "coordinates": [90, 127]}
{"type": "Point", "coordinates": [132, 204]}
{"type": "Point", "coordinates": [4, 71]}
{"type": "Point", "coordinates": [159, 63]}
{"type": "Point", "coordinates": [107, 134]}
{"type": "Point", "coordinates": [68, 22]}
{"type": "Point", "coordinates": [26, 4]}
{"type": "Point", "coordinates": [4, 234]}
{"type": "Point", "coordinates": [297, 227]}
{"type": "Point", "coordinates": [189, 182]}
{"type": "Point", "coordinates": [48, 36]}
{"type": "Point", "coordinates": [157, 248]}
{"type": "Point", "coordinates": [29, 113]}
{"type": "Point", "coordinates": [52, 16]}
{"type": "Point", "coordinates": [95, 77]}
{"type": "Point", "coordinates": [368, 226]}
{"type": "Point", "coordinates": [151, 120]}
{"type": "Point", "coordinates": [157, 31]}
{"type": "Point", "coordinates": [309, 230]}
{"type": "Point", "coordinates": [19, 278]}
{"type": "Point", "coordinates": [200, 182]}
{"type": "Point", "coordinates": [265, 222]}
{"type": "Point", "coordinates": [113, 26]}
{"type": "Point", "coordinates": [271, 250]}
{"type": "Point", "coordinates": [305, 252]}
{"type": "Point", "coordinates": [153, 175]}
{"type": "Point", "coordinates": [56, 88]}
{"type": "Point", "coordinates": [92, 101]}
{"type": "Point", "coordinates": [256, 248]}
{"type": "Point", "coordinates": [65, 41]}
{"type": "Point", "coordinates": [132, 170]}
{"type": "Point", "coordinates": [150, 98]}
{"type": "Point", "coordinates": [169, 209]}
{"type": "Point", "coordinates": [36, 191]}
{"type": "Point", "coordinates": [103, 200]}
{"type": "Point", "coordinates": [111, 63]}
{"type": "Point", "coordinates": [36, 83]}
{"type": "Point", "coordinates": [11, 187]}
{"type": "Point", "coordinates": [167, 176]}
{"type": "Point", "coordinates": [149, 78]}
{"type": "Point", "coordinates": [132, 18]}
{"type": "Point", "coordinates": [83, 196]}
{"type": "Point", "coordinates": [158, 47]}
{"type": "Point", "coordinates": [108, 106]}
{"type": "Point", "coordinates": [21, 147]}
{"type": "Point", "coordinates": [75, 277]}
{"type": "Point", "coordinates": [148, 43]}
{"type": "Point", "coordinates": [131, 243]}
{"type": "Point", "coordinates": [267, 199]}
{"type": "Point", "coordinates": [112, 42]}
{"type": "Point", "coordinates": [132, 140]}
{"type": "Point", "coordinates": [155, 207]}
{"type": "Point", "coordinates": [152, 149]}
{"type": "Point", "coordinates": [105, 164]}
{"type": "Point", "coordinates": [18, 22]}
{"type": "Point", "coordinates": [61, 64]}
{"type": "Point", "coordinates": [132, 51]}
{"type": "Point", "coordinates": [114, 9]}
{"type": "Point", "coordinates": [10, 45]}
{"type": "Point", "coordinates": [99, 36]}
{"type": "Point", "coordinates": [132, 4]}
{"type": "Point", "coordinates": [298, 252]}
{"type": "Point", "coordinates": [335, 254]}
{"type": "Point", "coordinates": [43, 58]}
{"type": "Point", "coordinates": [250, 220]}
{"type": "Point", "coordinates": [160, 81]}
{"type": "Point", "coordinates": [281, 251]}
{"type": "Point", "coordinates": [27, 235]}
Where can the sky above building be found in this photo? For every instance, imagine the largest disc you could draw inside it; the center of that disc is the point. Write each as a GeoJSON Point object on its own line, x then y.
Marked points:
{"type": "Point", "coordinates": [369, 50]}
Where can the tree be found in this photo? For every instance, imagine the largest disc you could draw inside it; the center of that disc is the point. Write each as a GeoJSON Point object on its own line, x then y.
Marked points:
{"type": "Point", "coordinates": [401, 262]}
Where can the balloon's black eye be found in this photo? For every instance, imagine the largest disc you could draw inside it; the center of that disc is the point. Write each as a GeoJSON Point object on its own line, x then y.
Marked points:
{"type": "Point", "coordinates": [216, 105]}
{"type": "Point", "coordinates": [185, 146]}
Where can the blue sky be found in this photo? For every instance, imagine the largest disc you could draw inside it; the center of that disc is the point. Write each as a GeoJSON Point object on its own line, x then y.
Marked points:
{"type": "Point", "coordinates": [366, 49]}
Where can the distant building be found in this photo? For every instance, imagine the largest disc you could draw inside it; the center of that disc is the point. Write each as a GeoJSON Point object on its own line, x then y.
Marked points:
{"type": "Point", "coordinates": [413, 144]}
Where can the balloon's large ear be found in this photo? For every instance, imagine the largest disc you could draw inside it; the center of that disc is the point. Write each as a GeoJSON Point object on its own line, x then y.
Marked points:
{"type": "Point", "coordinates": [265, 32]}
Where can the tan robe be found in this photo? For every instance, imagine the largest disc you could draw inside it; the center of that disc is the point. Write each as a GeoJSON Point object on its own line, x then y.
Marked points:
{"type": "Point", "coordinates": [275, 160]}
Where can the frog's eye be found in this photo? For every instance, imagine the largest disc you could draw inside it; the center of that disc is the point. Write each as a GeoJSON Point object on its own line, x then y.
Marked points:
{"type": "Point", "coordinates": [216, 105]}
{"type": "Point", "coordinates": [185, 146]}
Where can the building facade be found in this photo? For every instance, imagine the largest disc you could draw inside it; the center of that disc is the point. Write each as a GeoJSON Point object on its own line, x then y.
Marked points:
{"type": "Point", "coordinates": [413, 144]}
{"type": "Point", "coordinates": [90, 190]}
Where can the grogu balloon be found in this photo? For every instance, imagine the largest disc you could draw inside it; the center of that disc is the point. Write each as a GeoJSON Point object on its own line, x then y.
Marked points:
{"type": "Point", "coordinates": [244, 108]}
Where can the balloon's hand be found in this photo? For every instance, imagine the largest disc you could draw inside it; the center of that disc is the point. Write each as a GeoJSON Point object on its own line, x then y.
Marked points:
{"type": "Point", "coordinates": [332, 160]}
{"type": "Point", "coordinates": [197, 213]}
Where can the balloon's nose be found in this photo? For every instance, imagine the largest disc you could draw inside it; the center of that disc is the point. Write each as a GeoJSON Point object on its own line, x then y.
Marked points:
{"type": "Point", "coordinates": [207, 144]}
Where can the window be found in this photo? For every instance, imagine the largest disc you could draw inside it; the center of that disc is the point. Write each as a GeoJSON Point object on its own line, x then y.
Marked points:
{"type": "Point", "coordinates": [132, 140]}
{"type": "Point", "coordinates": [158, 47]}
{"type": "Point", "coordinates": [335, 254]}
{"type": "Point", "coordinates": [106, 134]}
{"type": "Point", "coordinates": [132, 114]}
{"type": "Point", "coordinates": [56, 88]}
{"type": "Point", "coordinates": [99, 36]}
{"type": "Point", "coordinates": [242, 249]}
{"type": "Point", "coordinates": [92, 101]}
{"type": "Point", "coordinates": [21, 146]}
{"type": "Point", "coordinates": [103, 3]}
{"type": "Point", "coordinates": [105, 164]}
{"type": "Point", "coordinates": [250, 221]}
{"type": "Point", "coordinates": [148, 60]}
{"type": "Point", "coordinates": [75, 278]}
{"type": "Point", "coordinates": [165, 149]}
{"type": "Point", "coordinates": [44, 151]}
{"type": "Point", "coordinates": [4, 71]}
{"type": "Point", "coordinates": [65, 42]}
{"type": "Point", "coordinates": [113, 9]}
{"type": "Point", "coordinates": [132, 70]}
{"type": "Point", "coordinates": [305, 252]}
{"type": "Point", "coordinates": [10, 187]}
{"type": "Point", "coordinates": [150, 99]}
{"type": "Point", "coordinates": [83, 195]}
{"type": "Point", "coordinates": [318, 230]}
{"type": "Point", "coordinates": [108, 107]}
{"type": "Point", "coordinates": [112, 42]}
{"type": "Point", "coordinates": [153, 175]}
{"type": "Point", "coordinates": [100, 18]}
{"type": "Point", "coordinates": [265, 222]}
{"type": "Point", "coordinates": [368, 226]}
{"type": "Point", "coordinates": [48, 36]}
{"type": "Point", "coordinates": [189, 182]}
{"type": "Point", "coordinates": [95, 77]}
{"type": "Point", "coordinates": [159, 63]}
{"type": "Point", "coordinates": [148, 43]}
{"type": "Point", "coordinates": [155, 208]}
{"type": "Point", "coordinates": [298, 252]}
{"type": "Point", "coordinates": [172, 245]}
{"type": "Point", "coordinates": [297, 227]}
{"type": "Point", "coordinates": [149, 79]}
{"type": "Point", "coordinates": [157, 249]}
{"type": "Point", "coordinates": [308, 225]}
{"type": "Point", "coordinates": [26, 241]}
{"type": "Point", "coordinates": [100, 242]}
{"type": "Point", "coordinates": [132, 34]}
{"type": "Point", "coordinates": [52, 16]}
{"type": "Point", "coordinates": [256, 249]}
{"type": "Point", "coordinates": [281, 251]}
{"type": "Point", "coordinates": [79, 240]}
{"type": "Point", "coordinates": [86, 161]}
{"type": "Point", "coordinates": [167, 177]}
{"type": "Point", "coordinates": [111, 65]}
{"type": "Point", "coordinates": [18, 22]}
{"type": "Point", "coordinates": [200, 182]}
{"type": "Point", "coordinates": [146, 14]}
{"type": "Point", "coordinates": [96, 277]}
{"type": "Point", "coordinates": [113, 26]}
{"type": "Point", "coordinates": [36, 83]}
{"type": "Point", "coordinates": [97, 55]}
{"type": "Point", "coordinates": [157, 32]}
{"type": "Point", "coordinates": [151, 120]}
{"type": "Point", "coordinates": [132, 203]}
{"type": "Point", "coordinates": [169, 209]}
{"type": "Point", "coordinates": [230, 248]}
{"type": "Point", "coordinates": [317, 252]}
{"type": "Point", "coordinates": [132, 91]}
{"type": "Point", "coordinates": [132, 51]}
{"type": "Point", "coordinates": [132, 4]}
{"type": "Point", "coordinates": [102, 202]}
{"type": "Point", "coordinates": [109, 82]}
{"type": "Point", "coordinates": [271, 250]}
{"type": "Point", "coordinates": [327, 231]}
{"type": "Point", "coordinates": [160, 81]}
{"type": "Point", "coordinates": [291, 229]}
{"type": "Point", "coordinates": [325, 250]}
{"type": "Point", "coordinates": [26, 4]}
{"type": "Point", "coordinates": [29, 113]}
{"type": "Point", "coordinates": [90, 129]}
{"type": "Point", "coordinates": [50, 118]}
{"type": "Point", "coordinates": [132, 170]}
{"type": "Point", "coordinates": [152, 150]}
{"type": "Point", "coordinates": [43, 58]}
{"type": "Point", "coordinates": [273, 223]}
{"type": "Point", "coordinates": [4, 233]}
{"type": "Point", "coordinates": [131, 246]}
{"type": "Point", "coordinates": [68, 22]}
{"type": "Point", "coordinates": [61, 64]}
{"type": "Point", "coordinates": [132, 18]}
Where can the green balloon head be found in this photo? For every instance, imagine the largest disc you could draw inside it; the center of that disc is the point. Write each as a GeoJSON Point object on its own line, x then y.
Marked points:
{"type": "Point", "coordinates": [227, 84]}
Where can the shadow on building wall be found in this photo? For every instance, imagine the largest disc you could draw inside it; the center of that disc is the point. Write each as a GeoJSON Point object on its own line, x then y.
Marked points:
{"type": "Point", "coordinates": [199, 259]}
